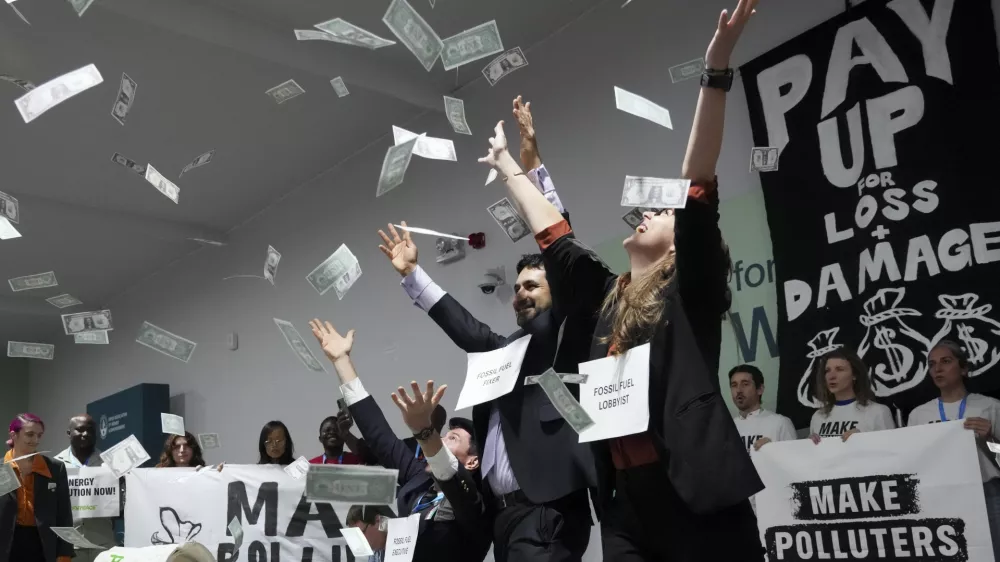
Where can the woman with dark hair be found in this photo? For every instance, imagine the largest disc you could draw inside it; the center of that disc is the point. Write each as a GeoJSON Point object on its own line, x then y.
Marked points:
{"type": "Point", "coordinates": [181, 451]}
{"type": "Point", "coordinates": [949, 369]}
{"type": "Point", "coordinates": [676, 488]}
{"type": "Point", "coordinates": [842, 386]}
{"type": "Point", "coordinates": [28, 513]}
{"type": "Point", "coordinates": [275, 444]}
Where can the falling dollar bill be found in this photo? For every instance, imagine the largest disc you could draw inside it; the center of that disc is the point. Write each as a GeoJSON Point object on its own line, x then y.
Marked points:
{"type": "Point", "coordinates": [55, 91]}
{"type": "Point", "coordinates": [509, 220]}
{"type": "Point", "coordinates": [503, 65]}
{"type": "Point", "coordinates": [208, 440]}
{"type": "Point", "coordinates": [567, 406]}
{"type": "Point", "coordinates": [23, 84]}
{"type": "Point", "coordinates": [340, 270]}
{"type": "Point", "coordinates": [313, 35]}
{"type": "Point", "coordinates": [567, 378]}
{"type": "Point", "coordinates": [357, 485]}
{"type": "Point", "coordinates": [687, 70]}
{"type": "Point", "coordinates": [633, 218]}
{"type": "Point", "coordinates": [8, 479]}
{"type": "Point", "coordinates": [298, 345]}
{"type": "Point", "coordinates": [129, 164]}
{"type": "Point", "coordinates": [414, 32]}
{"type": "Point", "coordinates": [9, 208]}
{"type": "Point", "coordinates": [162, 184]}
{"type": "Point", "coordinates": [199, 161]}
{"type": "Point", "coordinates": [123, 103]}
{"type": "Point", "coordinates": [63, 301]}
{"type": "Point", "coordinates": [98, 320]}
{"type": "Point", "coordinates": [167, 343]}
{"type": "Point", "coordinates": [75, 537]}
{"type": "Point", "coordinates": [236, 529]}
{"type": "Point", "coordinates": [31, 350]}
{"type": "Point", "coordinates": [397, 160]}
{"type": "Point", "coordinates": [7, 230]}
{"type": "Point", "coordinates": [347, 280]}
{"type": "Point", "coordinates": [426, 147]}
{"type": "Point", "coordinates": [655, 193]}
{"type": "Point", "coordinates": [172, 424]}
{"type": "Point", "coordinates": [347, 33]}
{"type": "Point", "coordinates": [763, 159]}
{"type": "Point", "coordinates": [356, 541]}
{"type": "Point", "coordinates": [36, 281]}
{"type": "Point", "coordinates": [471, 45]}
{"type": "Point", "coordinates": [80, 6]}
{"type": "Point", "coordinates": [93, 338]}
{"type": "Point", "coordinates": [340, 87]}
{"type": "Point", "coordinates": [271, 264]}
{"type": "Point", "coordinates": [298, 469]}
{"type": "Point", "coordinates": [285, 91]}
{"type": "Point", "coordinates": [641, 107]}
{"type": "Point", "coordinates": [124, 456]}
{"type": "Point", "coordinates": [454, 108]}
{"type": "Point", "coordinates": [491, 176]}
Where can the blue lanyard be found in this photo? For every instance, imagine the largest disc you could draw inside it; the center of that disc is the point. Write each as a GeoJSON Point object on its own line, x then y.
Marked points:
{"type": "Point", "coordinates": [421, 506]}
{"type": "Point", "coordinates": [417, 454]}
{"type": "Point", "coordinates": [340, 459]}
{"type": "Point", "coordinates": [961, 409]}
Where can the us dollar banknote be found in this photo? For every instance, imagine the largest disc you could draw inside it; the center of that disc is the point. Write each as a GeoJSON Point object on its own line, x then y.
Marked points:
{"type": "Point", "coordinates": [357, 485]}
{"type": "Point", "coordinates": [98, 320]}
{"type": "Point", "coordinates": [167, 343]}
{"type": "Point", "coordinates": [31, 350]}
{"type": "Point", "coordinates": [567, 406]}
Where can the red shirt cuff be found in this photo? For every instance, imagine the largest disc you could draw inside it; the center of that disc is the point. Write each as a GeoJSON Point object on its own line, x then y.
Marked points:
{"type": "Point", "coordinates": [703, 191]}
{"type": "Point", "coordinates": [549, 236]}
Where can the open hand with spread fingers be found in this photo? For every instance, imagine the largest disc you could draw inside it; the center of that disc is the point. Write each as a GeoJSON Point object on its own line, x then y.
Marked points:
{"type": "Point", "coordinates": [498, 145]}
{"type": "Point", "coordinates": [417, 410]}
{"type": "Point", "coordinates": [334, 345]}
{"type": "Point", "coordinates": [728, 33]}
{"type": "Point", "coordinates": [401, 251]}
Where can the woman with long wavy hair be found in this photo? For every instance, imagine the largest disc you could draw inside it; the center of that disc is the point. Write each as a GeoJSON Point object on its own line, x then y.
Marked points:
{"type": "Point", "coordinates": [181, 451]}
{"type": "Point", "coordinates": [841, 384]}
{"type": "Point", "coordinates": [678, 488]}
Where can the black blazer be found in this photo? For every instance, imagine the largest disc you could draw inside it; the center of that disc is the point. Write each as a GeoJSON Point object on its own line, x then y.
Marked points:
{"type": "Point", "coordinates": [544, 451]}
{"type": "Point", "coordinates": [52, 509]}
{"type": "Point", "coordinates": [698, 444]}
{"type": "Point", "coordinates": [467, 537]}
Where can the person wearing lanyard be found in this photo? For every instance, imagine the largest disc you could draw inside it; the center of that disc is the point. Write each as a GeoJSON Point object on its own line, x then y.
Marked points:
{"type": "Point", "coordinates": [949, 368]}
{"type": "Point", "coordinates": [443, 489]}
{"type": "Point", "coordinates": [83, 452]}
{"type": "Point", "coordinates": [438, 419]}
{"type": "Point", "coordinates": [334, 432]}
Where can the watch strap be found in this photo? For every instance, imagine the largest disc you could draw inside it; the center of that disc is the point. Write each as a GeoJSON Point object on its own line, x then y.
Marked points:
{"type": "Point", "coordinates": [423, 434]}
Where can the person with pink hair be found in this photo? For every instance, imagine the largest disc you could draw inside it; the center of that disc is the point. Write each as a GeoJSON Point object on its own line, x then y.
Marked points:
{"type": "Point", "coordinates": [40, 502]}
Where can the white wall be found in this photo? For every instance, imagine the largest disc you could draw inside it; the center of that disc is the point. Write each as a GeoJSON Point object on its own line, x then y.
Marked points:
{"type": "Point", "coordinates": [14, 382]}
{"type": "Point", "coordinates": [587, 143]}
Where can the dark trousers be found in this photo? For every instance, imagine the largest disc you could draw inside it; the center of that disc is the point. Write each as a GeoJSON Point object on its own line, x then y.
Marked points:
{"type": "Point", "coordinates": [27, 545]}
{"type": "Point", "coordinates": [648, 522]}
{"type": "Point", "coordinates": [557, 531]}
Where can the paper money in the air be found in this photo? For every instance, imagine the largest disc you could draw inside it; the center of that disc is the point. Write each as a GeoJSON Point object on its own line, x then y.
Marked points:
{"type": "Point", "coordinates": [298, 345]}
{"type": "Point", "coordinates": [208, 440]}
{"type": "Point", "coordinates": [432, 2]}
{"type": "Point", "coordinates": [129, 164]}
{"type": "Point", "coordinates": [271, 264]}
{"type": "Point", "coordinates": [687, 70]}
{"type": "Point", "coordinates": [655, 193]}
{"type": "Point", "coordinates": [124, 456]}
{"type": "Point", "coordinates": [345, 281]}
{"type": "Point", "coordinates": [56, 91]}
{"type": "Point", "coordinates": [8, 479]}
{"type": "Point", "coordinates": [31, 350]}
{"type": "Point", "coordinates": [36, 281]}
{"type": "Point", "coordinates": [454, 108]}
{"type": "Point", "coordinates": [427, 147]}
{"type": "Point", "coordinates": [763, 159]}
{"type": "Point", "coordinates": [18, 12]}
{"type": "Point", "coordinates": [567, 378]}
{"type": "Point", "coordinates": [509, 220]}
{"type": "Point", "coordinates": [491, 176]}
{"type": "Point", "coordinates": [567, 406]}
{"type": "Point", "coordinates": [63, 301]}
{"type": "Point", "coordinates": [356, 541]}
{"type": "Point", "coordinates": [298, 469]}
{"type": "Point", "coordinates": [641, 107]}
{"type": "Point", "coordinates": [167, 343]}
{"type": "Point", "coordinates": [397, 159]}
{"type": "Point", "coordinates": [80, 6]}
{"type": "Point", "coordinates": [326, 274]}
{"type": "Point", "coordinates": [285, 91]}
{"type": "Point", "coordinates": [199, 161]}
{"type": "Point", "coordinates": [340, 87]}
{"type": "Point", "coordinates": [162, 184]}
{"type": "Point", "coordinates": [471, 45]}
{"type": "Point", "coordinates": [97, 320]}
{"type": "Point", "coordinates": [313, 35]}
{"type": "Point", "coordinates": [126, 96]}
{"type": "Point", "coordinates": [412, 31]}
{"type": "Point", "coordinates": [93, 338]}
{"type": "Point", "coordinates": [172, 424]}
{"type": "Point", "coordinates": [9, 208]}
{"type": "Point", "coordinates": [23, 84]}
{"type": "Point", "coordinates": [7, 230]}
{"type": "Point", "coordinates": [236, 529]}
{"type": "Point", "coordinates": [634, 217]}
{"type": "Point", "coordinates": [503, 65]}
{"type": "Point", "coordinates": [75, 537]}
{"type": "Point", "coordinates": [349, 34]}
{"type": "Point", "coordinates": [357, 485]}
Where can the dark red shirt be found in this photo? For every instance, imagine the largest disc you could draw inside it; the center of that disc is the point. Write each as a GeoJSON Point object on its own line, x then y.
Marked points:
{"type": "Point", "coordinates": [346, 458]}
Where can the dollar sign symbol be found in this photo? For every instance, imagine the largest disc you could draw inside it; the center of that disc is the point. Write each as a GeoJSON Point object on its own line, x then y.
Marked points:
{"type": "Point", "coordinates": [899, 356]}
{"type": "Point", "coordinates": [974, 347]}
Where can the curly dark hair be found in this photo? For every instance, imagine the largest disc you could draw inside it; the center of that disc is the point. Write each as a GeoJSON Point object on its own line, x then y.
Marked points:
{"type": "Point", "coordinates": [167, 457]}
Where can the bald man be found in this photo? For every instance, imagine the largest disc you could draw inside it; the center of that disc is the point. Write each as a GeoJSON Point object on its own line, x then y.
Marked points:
{"type": "Point", "coordinates": [83, 452]}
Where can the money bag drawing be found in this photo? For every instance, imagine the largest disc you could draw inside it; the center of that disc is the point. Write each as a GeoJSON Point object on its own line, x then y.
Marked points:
{"type": "Point", "coordinates": [177, 531]}
{"type": "Point", "coordinates": [967, 324]}
{"type": "Point", "coordinates": [896, 354]}
{"type": "Point", "coordinates": [821, 344]}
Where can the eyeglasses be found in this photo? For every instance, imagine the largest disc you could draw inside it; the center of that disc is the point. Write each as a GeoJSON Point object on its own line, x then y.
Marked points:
{"type": "Point", "coordinates": [277, 443]}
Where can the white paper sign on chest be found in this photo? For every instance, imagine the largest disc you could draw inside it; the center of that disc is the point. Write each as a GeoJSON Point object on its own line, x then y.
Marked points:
{"type": "Point", "coordinates": [402, 538]}
{"type": "Point", "coordinates": [616, 394]}
{"type": "Point", "coordinates": [492, 374]}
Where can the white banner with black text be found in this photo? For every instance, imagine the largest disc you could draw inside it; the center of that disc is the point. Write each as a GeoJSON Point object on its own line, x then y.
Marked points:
{"type": "Point", "coordinates": [93, 492]}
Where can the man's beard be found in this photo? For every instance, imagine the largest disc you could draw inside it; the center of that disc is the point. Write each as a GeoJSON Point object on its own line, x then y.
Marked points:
{"type": "Point", "coordinates": [525, 315]}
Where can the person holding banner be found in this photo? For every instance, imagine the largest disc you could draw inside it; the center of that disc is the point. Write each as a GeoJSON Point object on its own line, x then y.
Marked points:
{"type": "Point", "coordinates": [949, 369]}
{"type": "Point", "coordinates": [841, 384]}
{"type": "Point", "coordinates": [83, 452]}
{"type": "Point", "coordinates": [275, 444]}
{"type": "Point", "coordinates": [334, 433]}
{"type": "Point", "coordinates": [181, 451]}
{"type": "Point", "coordinates": [443, 490]}
{"type": "Point", "coordinates": [41, 502]}
{"type": "Point", "coordinates": [757, 426]}
{"type": "Point", "coordinates": [677, 486]}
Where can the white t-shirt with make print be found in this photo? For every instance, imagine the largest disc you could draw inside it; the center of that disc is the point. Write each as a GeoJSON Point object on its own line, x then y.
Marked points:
{"type": "Point", "coordinates": [763, 423]}
{"type": "Point", "coordinates": [845, 417]}
{"type": "Point", "coordinates": [976, 406]}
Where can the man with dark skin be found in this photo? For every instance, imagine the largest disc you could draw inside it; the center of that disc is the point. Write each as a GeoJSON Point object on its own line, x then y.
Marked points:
{"type": "Point", "coordinates": [83, 452]}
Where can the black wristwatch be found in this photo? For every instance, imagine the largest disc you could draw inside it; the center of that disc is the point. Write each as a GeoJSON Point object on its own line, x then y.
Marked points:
{"type": "Point", "coordinates": [424, 434]}
{"type": "Point", "coordinates": [718, 79]}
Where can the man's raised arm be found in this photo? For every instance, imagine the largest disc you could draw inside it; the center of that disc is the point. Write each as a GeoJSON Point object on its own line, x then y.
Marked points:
{"type": "Point", "coordinates": [531, 158]}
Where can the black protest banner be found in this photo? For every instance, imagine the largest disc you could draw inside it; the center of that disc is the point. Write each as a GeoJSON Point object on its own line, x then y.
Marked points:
{"type": "Point", "coordinates": [884, 211]}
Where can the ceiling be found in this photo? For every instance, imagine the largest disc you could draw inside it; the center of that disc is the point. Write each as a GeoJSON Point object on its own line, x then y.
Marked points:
{"type": "Point", "coordinates": [202, 67]}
